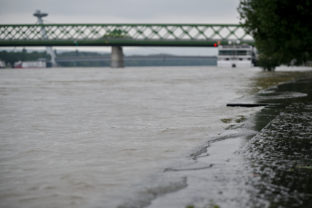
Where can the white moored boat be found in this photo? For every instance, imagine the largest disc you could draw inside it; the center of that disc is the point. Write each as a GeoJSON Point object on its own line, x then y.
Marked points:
{"type": "Point", "coordinates": [235, 56]}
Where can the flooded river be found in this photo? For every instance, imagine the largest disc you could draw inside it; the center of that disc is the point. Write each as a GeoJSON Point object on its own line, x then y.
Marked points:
{"type": "Point", "coordinates": [132, 137]}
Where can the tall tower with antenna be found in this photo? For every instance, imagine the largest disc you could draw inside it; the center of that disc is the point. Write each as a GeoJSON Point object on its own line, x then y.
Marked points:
{"type": "Point", "coordinates": [50, 51]}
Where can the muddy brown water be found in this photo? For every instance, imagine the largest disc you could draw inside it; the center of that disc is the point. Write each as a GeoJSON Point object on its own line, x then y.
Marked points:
{"type": "Point", "coordinates": [151, 137]}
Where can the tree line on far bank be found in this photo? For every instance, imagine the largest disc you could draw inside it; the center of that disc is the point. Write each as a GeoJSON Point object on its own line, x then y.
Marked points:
{"type": "Point", "coordinates": [77, 58]}
{"type": "Point", "coordinates": [10, 57]}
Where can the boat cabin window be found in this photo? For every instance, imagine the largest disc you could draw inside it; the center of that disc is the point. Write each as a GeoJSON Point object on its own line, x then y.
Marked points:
{"type": "Point", "coordinates": [233, 52]}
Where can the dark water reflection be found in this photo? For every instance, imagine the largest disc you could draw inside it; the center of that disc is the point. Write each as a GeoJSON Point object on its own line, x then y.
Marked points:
{"type": "Point", "coordinates": [280, 156]}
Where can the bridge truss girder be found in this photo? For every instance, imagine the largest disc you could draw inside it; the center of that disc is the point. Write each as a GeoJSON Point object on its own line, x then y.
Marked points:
{"type": "Point", "coordinates": [193, 35]}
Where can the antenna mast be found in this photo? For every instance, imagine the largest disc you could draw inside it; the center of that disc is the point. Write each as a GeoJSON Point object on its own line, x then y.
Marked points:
{"type": "Point", "coordinates": [50, 51]}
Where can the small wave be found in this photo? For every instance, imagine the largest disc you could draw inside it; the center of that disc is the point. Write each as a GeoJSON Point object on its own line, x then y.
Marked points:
{"type": "Point", "coordinates": [282, 95]}
{"type": "Point", "coordinates": [145, 197]}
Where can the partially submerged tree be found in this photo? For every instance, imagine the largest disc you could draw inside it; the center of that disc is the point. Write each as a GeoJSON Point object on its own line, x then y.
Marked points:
{"type": "Point", "coordinates": [282, 30]}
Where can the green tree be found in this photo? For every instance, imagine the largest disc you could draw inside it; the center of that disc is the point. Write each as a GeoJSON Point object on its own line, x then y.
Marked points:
{"type": "Point", "coordinates": [282, 30]}
{"type": "Point", "coordinates": [10, 57]}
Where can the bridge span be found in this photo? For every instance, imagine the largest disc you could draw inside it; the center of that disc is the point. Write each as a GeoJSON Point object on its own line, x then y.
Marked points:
{"type": "Point", "coordinates": [119, 35]}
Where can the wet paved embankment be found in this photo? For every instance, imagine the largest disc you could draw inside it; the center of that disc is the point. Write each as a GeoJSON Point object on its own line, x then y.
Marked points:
{"type": "Point", "coordinates": [260, 161]}
{"type": "Point", "coordinates": [280, 156]}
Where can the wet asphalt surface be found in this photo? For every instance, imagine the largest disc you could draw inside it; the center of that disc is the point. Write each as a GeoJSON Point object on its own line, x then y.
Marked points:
{"type": "Point", "coordinates": [280, 155]}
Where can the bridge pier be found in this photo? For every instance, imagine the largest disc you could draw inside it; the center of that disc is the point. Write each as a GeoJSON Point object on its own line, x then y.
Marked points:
{"type": "Point", "coordinates": [117, 57]}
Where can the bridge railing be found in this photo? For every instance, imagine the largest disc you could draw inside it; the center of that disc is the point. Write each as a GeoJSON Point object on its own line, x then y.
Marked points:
{"type": "Point", "coordinates": [122, 34]}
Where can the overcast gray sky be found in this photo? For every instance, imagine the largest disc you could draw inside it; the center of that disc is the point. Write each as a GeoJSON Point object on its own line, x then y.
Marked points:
{"type": "Point", "coordinates": [121, 11]}
{"type": "Point", "coordinates": [124, 11]}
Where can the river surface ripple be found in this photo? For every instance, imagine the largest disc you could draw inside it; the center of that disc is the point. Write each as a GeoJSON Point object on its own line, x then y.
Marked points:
{"type": "Point", "coordinates": [95, 137]}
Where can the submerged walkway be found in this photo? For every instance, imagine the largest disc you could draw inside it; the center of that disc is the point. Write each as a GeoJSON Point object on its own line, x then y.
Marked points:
{"type": "Point", "coordinates": [280, 155]}
{"type": "Point", "coordinates": [263, 162]}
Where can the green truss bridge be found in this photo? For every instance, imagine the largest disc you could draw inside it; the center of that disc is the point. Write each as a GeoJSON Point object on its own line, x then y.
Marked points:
{"type": "Point", "coordinates": [196, 35]}
{"type": "Point", "coordinates": [118, 35]}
